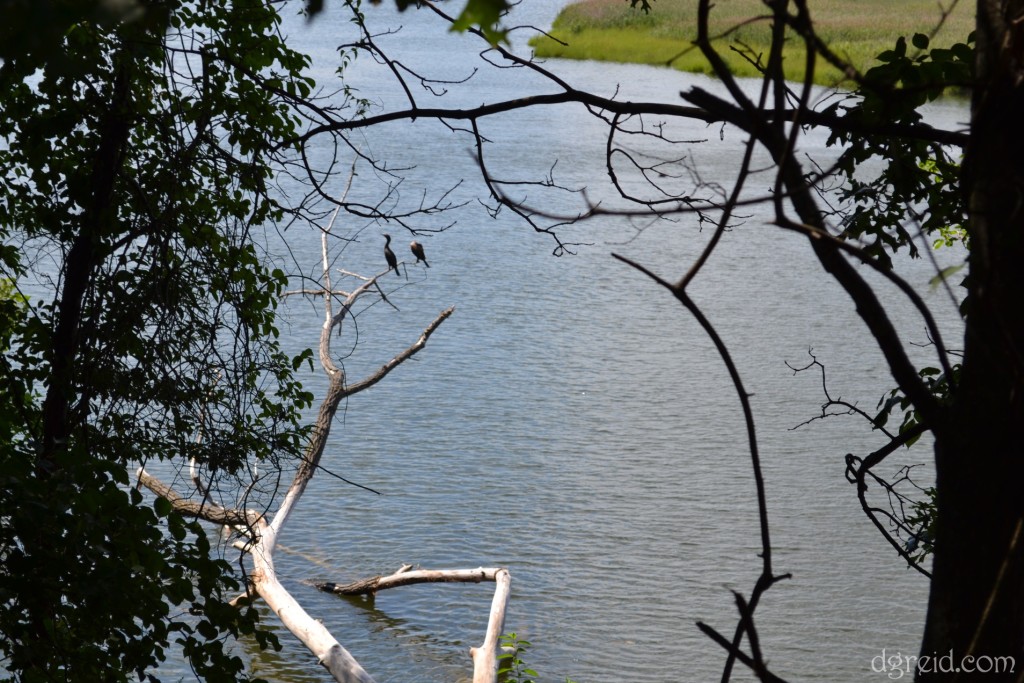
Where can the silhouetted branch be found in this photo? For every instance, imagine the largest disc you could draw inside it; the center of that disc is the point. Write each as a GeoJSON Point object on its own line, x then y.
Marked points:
{"type": "Point", "coordinates": [736, 653]}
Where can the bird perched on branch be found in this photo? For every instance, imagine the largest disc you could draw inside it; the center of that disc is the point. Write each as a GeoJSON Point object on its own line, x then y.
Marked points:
{"type": "Point", "coordinates": [389, 255]}
{"type": "Point", "coordinates": [417, 251]}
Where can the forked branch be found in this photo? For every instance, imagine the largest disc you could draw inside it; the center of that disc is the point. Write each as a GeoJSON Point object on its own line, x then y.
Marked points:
{"type": "Point", "coordinates": [260, 537]}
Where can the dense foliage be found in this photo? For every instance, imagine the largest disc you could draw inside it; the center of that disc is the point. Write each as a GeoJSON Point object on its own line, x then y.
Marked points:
{"type": "Point", "coordinates": [137, 319]}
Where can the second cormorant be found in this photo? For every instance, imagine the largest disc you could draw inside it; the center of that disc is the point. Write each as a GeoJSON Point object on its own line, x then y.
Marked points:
{"type": "Point", "coordinates": [417, 251]}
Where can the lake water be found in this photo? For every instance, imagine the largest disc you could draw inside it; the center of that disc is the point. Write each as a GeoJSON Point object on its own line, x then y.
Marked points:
{"type": "Point", "coordinates": [572, 423]}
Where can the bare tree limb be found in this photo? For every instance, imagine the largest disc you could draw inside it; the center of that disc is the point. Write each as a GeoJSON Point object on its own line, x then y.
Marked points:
{"type": "Point", "coordinates": [205, 510]}
{"type": "Point", "coordinates": [407, 576]}
{"type": "Point", "coordinates": [416, 347]}
{"type": "Point", "coordinates": [736, 652]}
{"type": "Point", "coordinates": [612, 106]}
{"type": "Point", "coordinates": [767, 577]}
{"type": "Point", "coordinates": [485, 657]}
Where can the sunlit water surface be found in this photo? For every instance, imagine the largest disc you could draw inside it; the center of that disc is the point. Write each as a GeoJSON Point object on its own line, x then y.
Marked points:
{"type": "Point", "coordinates": [572, 422]}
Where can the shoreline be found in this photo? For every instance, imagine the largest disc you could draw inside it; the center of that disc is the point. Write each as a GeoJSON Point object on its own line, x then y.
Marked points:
{"type": "Point", "coordinates": [611, 31]}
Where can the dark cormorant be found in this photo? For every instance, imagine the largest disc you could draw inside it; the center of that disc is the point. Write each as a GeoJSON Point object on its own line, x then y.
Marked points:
{"type": "Point", "coordinates": [417, 251]}
{"type": "Point", "coordinates": [389, 255]}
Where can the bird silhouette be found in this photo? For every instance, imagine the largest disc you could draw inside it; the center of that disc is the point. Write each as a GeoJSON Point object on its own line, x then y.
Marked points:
{"type": "Point", "coordinates": [417, 251]}
{"type": "Point", "coordinates": [389, 255]}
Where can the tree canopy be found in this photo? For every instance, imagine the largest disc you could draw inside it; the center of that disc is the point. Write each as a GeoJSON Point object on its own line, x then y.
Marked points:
{"type": "Point", "coordinates": [139, 321]}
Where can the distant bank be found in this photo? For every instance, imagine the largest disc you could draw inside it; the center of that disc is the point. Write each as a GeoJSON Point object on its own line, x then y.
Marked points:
{"type": "Point", "coordinates": [612, 31]}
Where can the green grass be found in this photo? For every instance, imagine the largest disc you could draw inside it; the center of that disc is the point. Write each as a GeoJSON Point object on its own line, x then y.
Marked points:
{"type": "Point", "coordinates": [857, 30]}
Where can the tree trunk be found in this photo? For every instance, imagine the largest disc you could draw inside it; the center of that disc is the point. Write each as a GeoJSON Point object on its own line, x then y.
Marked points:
{"type": "Point", "coordinates": [976, 606]}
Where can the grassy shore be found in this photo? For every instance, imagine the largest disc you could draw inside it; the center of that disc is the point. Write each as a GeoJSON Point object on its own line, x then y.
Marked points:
{"type": "Point", "coordinates": [610, 30]}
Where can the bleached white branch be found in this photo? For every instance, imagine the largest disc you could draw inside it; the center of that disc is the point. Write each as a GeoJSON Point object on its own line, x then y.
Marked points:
{"type": "Point", "coordinates": [406, 576]}
{"type": "Point", "coordinates": [400, 358]}
{"type": "Point", "coordinates": [314, 635]}
{"type": "Point", "coordinates": [211, 512]}
{"type": "Point", "coordinates": [485, 657]}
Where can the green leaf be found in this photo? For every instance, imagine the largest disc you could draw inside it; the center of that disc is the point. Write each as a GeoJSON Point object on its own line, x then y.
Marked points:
{"type": "Point", "coordinates": [162, 506]}
{"type": "Point", "coordinates": [486, 15]}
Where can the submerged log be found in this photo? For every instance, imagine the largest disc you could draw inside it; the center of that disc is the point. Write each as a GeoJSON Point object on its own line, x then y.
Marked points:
{"type": "Point", "coordinates": [485, 657]}
{"type": "Point", "coordinates": [407, 576]}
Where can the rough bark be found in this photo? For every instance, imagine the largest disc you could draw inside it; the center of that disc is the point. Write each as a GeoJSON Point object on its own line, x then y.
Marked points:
{"type": "Point", "coordinates": [81, 261]}
{"type": "Point", "coordinates": [976, 607]}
